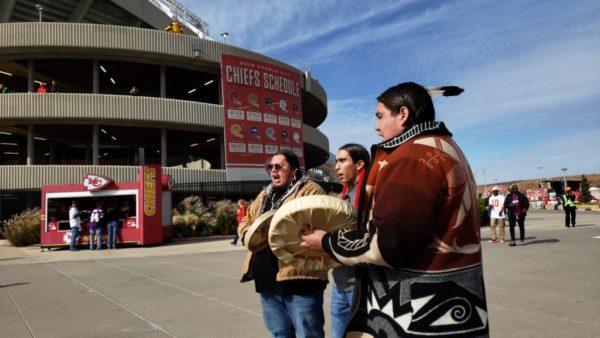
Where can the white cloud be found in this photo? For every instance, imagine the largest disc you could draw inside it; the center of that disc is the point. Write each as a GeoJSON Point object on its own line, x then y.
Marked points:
{"type": "Point", "coordinates": [530, 68]}
{"type": "Point", "coordinates": [540, 84]}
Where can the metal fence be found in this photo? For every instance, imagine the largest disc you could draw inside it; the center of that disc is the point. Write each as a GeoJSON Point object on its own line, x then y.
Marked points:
{"type": "Point", "coordinates": [236, 189]}
{"type": "Point", "coordinates": [13, 201]}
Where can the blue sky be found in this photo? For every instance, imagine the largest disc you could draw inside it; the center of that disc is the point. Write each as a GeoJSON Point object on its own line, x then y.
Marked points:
{"type": "Point", "coordinates": [530, 70]}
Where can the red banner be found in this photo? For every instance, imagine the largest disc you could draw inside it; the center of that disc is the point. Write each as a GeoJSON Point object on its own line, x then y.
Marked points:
{"type": "Point", "coordinates": [150, 204]}
{"type": "Point", "coordinates": [263, 114]}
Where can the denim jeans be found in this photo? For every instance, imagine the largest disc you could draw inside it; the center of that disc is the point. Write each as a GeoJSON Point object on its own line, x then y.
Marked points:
{"type": "Point", "coordinates": [74, 235]}
{"type": "Point", "coordinates": [111, 237]}
{"type": "Point", "coordinates": [303, 312]}
{"type": "Point", "coordinates": [341, 303]}
{"type": "Point", "coordinates": [98, 233]}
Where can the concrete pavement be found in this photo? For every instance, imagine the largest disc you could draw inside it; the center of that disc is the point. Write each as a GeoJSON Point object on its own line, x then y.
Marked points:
{"type": "Point", "coordinates": [547, 288]}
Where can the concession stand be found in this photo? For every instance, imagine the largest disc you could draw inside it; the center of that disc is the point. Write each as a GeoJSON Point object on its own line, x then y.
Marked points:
{"type": "Point", "coordinates": [143, 208]}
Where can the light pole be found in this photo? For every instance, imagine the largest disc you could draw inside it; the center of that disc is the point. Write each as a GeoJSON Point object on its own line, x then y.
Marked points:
{"type": "Point", "coordinates": [540, 174]}
{"type": "Point", "coordinates": [40, 9]}
{"type": "Point", "coordinates": [564, 170]}
{"type": "Point", "coordinates": [225, 35]}
{"type": "Point", "coordinates": [484, 182]}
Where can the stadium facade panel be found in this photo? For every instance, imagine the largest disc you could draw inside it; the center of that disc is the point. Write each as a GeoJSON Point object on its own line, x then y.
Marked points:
{"type": "Point", "coordinates": [96, 122]}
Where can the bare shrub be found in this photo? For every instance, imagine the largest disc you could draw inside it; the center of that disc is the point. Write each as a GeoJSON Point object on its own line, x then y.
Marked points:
{"type": "Point", "coordinates": [23, 229]}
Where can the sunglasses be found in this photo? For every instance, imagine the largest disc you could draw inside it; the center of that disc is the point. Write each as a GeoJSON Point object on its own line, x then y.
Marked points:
{"type": "Point", "coordinates": [277, 167]}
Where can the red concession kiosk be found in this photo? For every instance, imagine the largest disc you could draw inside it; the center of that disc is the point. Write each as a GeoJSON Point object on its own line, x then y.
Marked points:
{"type": "Point", "coordinates": [143, 208]}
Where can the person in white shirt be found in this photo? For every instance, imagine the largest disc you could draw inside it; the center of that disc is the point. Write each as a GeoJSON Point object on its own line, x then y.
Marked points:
{"type": "Point", "coordinates": [496, 208]}
{"type": "Point", "coordinates": [75, 223]}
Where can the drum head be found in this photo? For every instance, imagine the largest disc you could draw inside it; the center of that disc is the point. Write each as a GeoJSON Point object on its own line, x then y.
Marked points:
{"type": "Point", "coordinates": [255, 241]}
{"type": "Point", "coordinates": [322, 212]}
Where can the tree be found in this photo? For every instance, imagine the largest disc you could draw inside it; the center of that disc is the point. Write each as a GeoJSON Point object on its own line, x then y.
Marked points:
{"type": "Point", "coordinates": [585, 195]}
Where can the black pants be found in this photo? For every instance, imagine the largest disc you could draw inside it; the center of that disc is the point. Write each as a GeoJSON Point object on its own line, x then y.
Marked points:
{"type": "Point", "coordinates": [569, 214]}
{"type": "Point", "coordinates": [512, 221]}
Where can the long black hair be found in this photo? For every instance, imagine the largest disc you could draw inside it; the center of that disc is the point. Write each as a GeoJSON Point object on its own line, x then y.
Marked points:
{"type": "Point", "coordinates": [357, 153]}
{"type": "Point", "coordinates": [412, 96]}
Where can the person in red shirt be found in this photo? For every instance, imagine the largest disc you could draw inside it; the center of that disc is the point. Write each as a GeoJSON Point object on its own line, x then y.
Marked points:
{"type": "Point", "coordinates": [42, 89]}
{"type": "Point", "coordinates": [240, 216]}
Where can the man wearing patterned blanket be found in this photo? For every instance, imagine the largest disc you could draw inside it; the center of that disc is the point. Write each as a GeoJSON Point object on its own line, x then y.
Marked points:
{"type": "Point", "coordinates": [417, 245]}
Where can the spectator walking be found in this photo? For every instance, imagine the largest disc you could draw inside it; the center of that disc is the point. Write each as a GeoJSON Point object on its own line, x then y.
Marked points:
{"type": "Point", "coordinates": [496, 210]}
{"type": "Point", "coordinates": [517, 205]}
{"type": "Point", "coordinates": [242, 207]}
{"type": "Point", "coordinates": [568, 201]}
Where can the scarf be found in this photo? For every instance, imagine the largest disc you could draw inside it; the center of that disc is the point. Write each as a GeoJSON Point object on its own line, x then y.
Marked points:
{"type": "Point", "coordinates": [274, 198]}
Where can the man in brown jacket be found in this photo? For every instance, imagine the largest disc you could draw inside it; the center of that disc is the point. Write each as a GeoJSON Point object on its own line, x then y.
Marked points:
{"type": "Point", "coordinates": [291, 300]}
{"type": "Point", "coordinates": [418, 251]}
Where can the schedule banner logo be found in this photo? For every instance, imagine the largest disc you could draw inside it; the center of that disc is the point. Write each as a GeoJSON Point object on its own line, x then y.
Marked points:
{"type": "Point", "coordinates": [263, 114]}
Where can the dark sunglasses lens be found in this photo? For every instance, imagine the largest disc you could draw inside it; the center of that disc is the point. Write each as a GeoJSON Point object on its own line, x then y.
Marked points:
{"type": "Point", "coordinates": [276, 166]}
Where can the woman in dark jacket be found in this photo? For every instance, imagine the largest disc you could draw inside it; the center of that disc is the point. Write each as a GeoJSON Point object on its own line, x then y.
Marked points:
{"type": "Point", "coordinates": [517, 205]}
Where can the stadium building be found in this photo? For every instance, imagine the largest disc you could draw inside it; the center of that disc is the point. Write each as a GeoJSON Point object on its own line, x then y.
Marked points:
{"type": "Point", "coordinates": [96, 52]}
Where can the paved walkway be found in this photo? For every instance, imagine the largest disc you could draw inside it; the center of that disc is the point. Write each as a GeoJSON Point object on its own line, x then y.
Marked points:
{"type": "Point", "coordinates": [547, 288]}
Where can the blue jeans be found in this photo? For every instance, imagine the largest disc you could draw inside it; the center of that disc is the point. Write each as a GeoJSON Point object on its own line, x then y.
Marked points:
{"type": "Point", "coordinates": [98, 233]}
{"type": "Point", "coordinates": [111, 237]}
{"type": "Point", "coordinates": [341, 303]}
{"type": "Point", "coordinates": [74, 235]}
{"type": "Point", "coordinates": [303, 312]}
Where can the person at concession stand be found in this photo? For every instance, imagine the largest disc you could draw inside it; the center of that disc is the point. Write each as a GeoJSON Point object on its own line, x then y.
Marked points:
{"type": "Point", "coordinates": [290, 300]}
{"type": "Point", "coordinates": [417, 250]}
{"type": "Point", "coordinates": [112, 227]}
{"type": "Point", "coordinates": [95, 229]}
{"type": "Point", "coordinates": [75, 223]}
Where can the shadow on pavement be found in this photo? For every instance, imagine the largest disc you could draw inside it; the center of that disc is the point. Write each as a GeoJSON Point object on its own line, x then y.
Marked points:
{"type": "Point", "coordinates": [543, 241]}
{"type": "Point", "coordinates": [13, 284]}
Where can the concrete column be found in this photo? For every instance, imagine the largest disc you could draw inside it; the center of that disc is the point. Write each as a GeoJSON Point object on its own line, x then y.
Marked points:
{"type": "Point", "coordinates": [31, 76]}
{"type": "Point", "coordinates": [221, 140]}
{"type": "Point", "coordinates": [141, 156]}
{"type": "Point", "coordinates": [163, 81]}
{"type": "Point", "coordinates": [95, 144]}
{"type": "Point", "coordinates": [30, 150]}
{"type": "Point", "coordinates": [87, 154]}
{"type": "Point", "coordinates": [95, 77]}
{"type": "Point", "coordinates": [219, 92]}
{"type": "Point", "coordinates": [51, 159]}
{"type": "Point", "coordinates": [163, 147]}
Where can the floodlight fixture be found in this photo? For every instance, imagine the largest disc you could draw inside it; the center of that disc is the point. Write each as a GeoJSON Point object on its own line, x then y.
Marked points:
{"type": "Point", "coordinates": [40, 9]}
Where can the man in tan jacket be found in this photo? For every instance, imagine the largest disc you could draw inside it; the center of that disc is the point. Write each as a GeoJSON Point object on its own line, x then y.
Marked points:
{"type": "Point", "coordinates": [291, 300]}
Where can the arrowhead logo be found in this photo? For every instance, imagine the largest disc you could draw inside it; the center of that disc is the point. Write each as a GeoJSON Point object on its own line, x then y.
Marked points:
{"type": "Point", "coordinates": [95, 182]}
